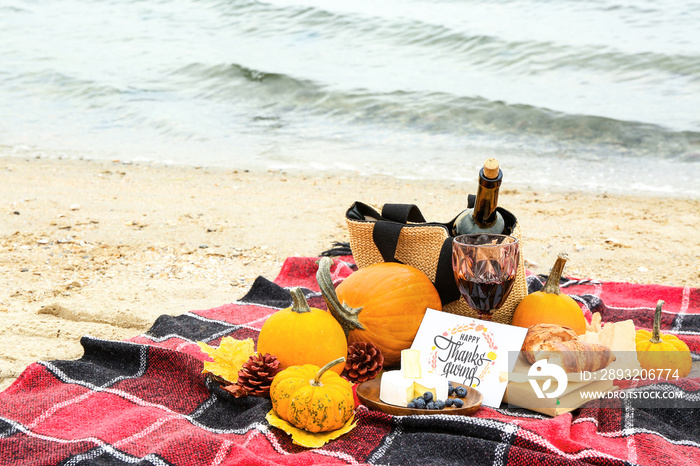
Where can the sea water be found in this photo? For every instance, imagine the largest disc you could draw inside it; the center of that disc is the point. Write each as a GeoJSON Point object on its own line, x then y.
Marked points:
{"type": "Point", "coordinates": [602, 95]}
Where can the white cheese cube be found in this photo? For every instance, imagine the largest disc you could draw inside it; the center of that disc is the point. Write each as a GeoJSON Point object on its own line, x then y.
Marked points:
{"type": "Point", "coordinates": [410, 363]}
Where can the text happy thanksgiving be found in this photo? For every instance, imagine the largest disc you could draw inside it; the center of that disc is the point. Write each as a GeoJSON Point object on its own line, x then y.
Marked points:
{"type": "Point", "coordinates": [462, 358]}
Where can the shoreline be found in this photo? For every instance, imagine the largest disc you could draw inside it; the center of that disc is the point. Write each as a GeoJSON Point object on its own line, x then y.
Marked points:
{"type": "Point", "coordinates": [541, 179]}
{"type": "Point", "coordinates": [103, 248]}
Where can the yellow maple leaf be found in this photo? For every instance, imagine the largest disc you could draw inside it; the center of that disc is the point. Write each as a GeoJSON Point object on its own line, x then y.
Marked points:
{"type": "Point", "coordinates": [228, 358]}
{"type": "Point", "coordinates": [305, 438]}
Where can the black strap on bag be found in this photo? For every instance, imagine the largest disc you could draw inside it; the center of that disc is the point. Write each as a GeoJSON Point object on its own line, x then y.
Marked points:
{"type": "Point", "coordinates": [402, 213]}
{"type": "Point", "coordinates": [386, 231]}
{"type": "Point", "coordinates": [445, 283]}
{"type": "Point", "coordinates": [386, 237]}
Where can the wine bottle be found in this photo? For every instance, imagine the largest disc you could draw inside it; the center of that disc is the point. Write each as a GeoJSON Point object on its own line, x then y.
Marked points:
{"type": "Point", "coordinates": [483, 217]}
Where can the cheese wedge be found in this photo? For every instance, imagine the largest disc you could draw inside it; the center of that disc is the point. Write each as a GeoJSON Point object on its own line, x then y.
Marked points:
{"type": "Point", "coordinates": [589, 337]}
{"type": "Point", "coordinates": [618, 336]}
{"type": "Point", "coordinates": [431, 383]}
{"type": "Point", "coordinates": [395, 389]}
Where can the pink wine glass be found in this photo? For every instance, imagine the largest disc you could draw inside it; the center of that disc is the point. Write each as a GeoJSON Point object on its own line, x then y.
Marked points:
{"type": "Point", "coordinates": [485, 266]}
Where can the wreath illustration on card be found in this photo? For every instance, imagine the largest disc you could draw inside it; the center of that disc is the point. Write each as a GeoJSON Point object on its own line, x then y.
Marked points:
{"type": "Point", "coordinates": [451, 341]}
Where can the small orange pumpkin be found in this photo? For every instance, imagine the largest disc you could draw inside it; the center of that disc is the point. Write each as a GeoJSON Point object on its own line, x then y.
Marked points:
{"type": "Point", "coordinates": [302, 335]}
{"type": "Point", "coordinates": [311, 398]}
{"type": "Point", "coordinates": [667, 355]}
{"type": "Point", "coordinates": [383, 304]}
{"type": "Point", "coordinates": [550, 305]}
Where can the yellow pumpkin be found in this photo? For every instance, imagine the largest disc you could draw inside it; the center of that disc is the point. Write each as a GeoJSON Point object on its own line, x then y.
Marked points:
{"type": "Point", "coordinates": [302, 335]}
{"type": "Point", "coordinates": [664, 354]}
{"type": "Point", "coordinates": [313, 399]}
{"type": "Point", "coordinates": [382, 304]}
{"type": "Point", "coordinates": [550, 305]}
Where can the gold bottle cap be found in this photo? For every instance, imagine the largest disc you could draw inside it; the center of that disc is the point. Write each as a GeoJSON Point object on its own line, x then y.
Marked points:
{"type": "Point", "coordinates": [491, 168]}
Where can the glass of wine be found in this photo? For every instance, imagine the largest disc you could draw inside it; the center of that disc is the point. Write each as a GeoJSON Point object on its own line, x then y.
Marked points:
{"type": "Point", "coordinates": [485, 266]}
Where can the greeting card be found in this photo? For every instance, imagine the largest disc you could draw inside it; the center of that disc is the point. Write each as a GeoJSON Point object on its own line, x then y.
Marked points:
{"type": "Point", "coordinates": [469, 351]}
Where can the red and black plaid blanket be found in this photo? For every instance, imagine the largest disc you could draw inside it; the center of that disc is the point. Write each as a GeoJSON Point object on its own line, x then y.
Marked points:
{"type": "Point", "coordinates": [145, 401]}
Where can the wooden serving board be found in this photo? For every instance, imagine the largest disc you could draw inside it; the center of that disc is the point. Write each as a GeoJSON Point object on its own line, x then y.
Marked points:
{"type": "Point", "coordinates": [368, 393]}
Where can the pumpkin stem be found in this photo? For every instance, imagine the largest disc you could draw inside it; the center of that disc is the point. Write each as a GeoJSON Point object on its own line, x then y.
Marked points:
{"type": "Point", "coordinates": [656, 331]}
{"type": "Point", "coordinates": [317, 379]}
{"type": "Point", "coordinates": [299, 303]}
{"type": "Point", "coordinates": [552, 284]}
{"type": "Point", "coordinates": [346, 316]}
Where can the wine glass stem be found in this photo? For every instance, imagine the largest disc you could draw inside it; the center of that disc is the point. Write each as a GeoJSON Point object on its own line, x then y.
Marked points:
{"type": "Point", "coordinates": [484, 316]}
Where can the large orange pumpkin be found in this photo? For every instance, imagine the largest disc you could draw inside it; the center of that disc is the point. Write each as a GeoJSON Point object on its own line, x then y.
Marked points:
{"type": "Point", "coordinates": [301, 335]}
{"type": "Point", "coordinates": [383, 304]}
{"type": "Point", "coordinates": [550, 305]}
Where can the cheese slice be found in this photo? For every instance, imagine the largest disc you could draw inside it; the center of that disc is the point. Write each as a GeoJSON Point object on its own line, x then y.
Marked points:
{"type": "Point", "coordinates": [618, 336]}
{"type": "Point", "coordinates": [590, 337]}
{"type": "Point", "coordinates": [410, 363]}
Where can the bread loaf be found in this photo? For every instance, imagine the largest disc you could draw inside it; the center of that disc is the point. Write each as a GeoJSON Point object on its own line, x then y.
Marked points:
{"type": "Point", "coordinates": [539, 334]}
{"type": "Point", "coordinates": [560, 345]}
{"type": "Point", "coordinates": [576, 356]}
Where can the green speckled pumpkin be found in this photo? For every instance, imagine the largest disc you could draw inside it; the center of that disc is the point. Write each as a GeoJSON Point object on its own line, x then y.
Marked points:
{"type": "Point", "coordinates": [312, 399]}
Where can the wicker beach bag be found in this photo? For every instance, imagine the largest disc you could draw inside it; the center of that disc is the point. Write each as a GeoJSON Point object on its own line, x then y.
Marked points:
{"type": "Point", "coordinates": [399, 233]}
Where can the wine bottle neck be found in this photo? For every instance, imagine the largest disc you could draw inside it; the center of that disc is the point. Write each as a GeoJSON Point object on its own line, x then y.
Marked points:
{"type": "Point", "coordinates": [484, 213]}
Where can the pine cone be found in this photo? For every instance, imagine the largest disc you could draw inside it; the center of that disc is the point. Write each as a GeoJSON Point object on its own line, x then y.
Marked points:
{"type": "Point", "coordinates": [255, 376]}
{"type": "Point", "coordinates": [365, 362]}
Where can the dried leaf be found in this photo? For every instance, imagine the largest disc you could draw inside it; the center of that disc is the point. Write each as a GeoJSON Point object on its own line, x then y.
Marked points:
{"type": "Point", "coordinates": [228, 358]}
{"type": "Point", "coordinates": [305, 438]}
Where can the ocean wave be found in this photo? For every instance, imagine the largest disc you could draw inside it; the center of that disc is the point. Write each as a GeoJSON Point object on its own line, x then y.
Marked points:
{"type": "Point", "coordinates": [281, 94]}
{"type": "Point", "coordinates": [58, 85]}
{"type": "Point", "coordinates": [490, 52]}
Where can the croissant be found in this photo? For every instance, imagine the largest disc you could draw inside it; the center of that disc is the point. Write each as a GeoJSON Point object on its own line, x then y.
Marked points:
{"type": "Point", "coordinates": [576, 356]}
{"type": "Point", "coordinates": [539, 334]}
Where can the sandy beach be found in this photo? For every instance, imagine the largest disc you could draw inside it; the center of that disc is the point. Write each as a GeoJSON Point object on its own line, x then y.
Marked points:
{"type": "Point", "coordinates": [104, 248]}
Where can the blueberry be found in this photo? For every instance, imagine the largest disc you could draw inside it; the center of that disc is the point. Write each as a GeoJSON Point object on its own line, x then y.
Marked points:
{"type": "Point", "coordinates": [458, 403]}
{"type": "Point", "coordinates": [420, 403]}
{"type": "Point", "coordinates": [448, 402]}
{"type": "Point", "coordinates": [461, 392]}
{"type": "Point", "coordinates": [450, 389]}
{"type": "Point", "coordinates": [428, 396]}
{"type": "Point", "coordinates": [411, 404]}
{"type": "Point", "coordinates": [439, 404]}
{"type": "Point", "coordinates": [430, 405]}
